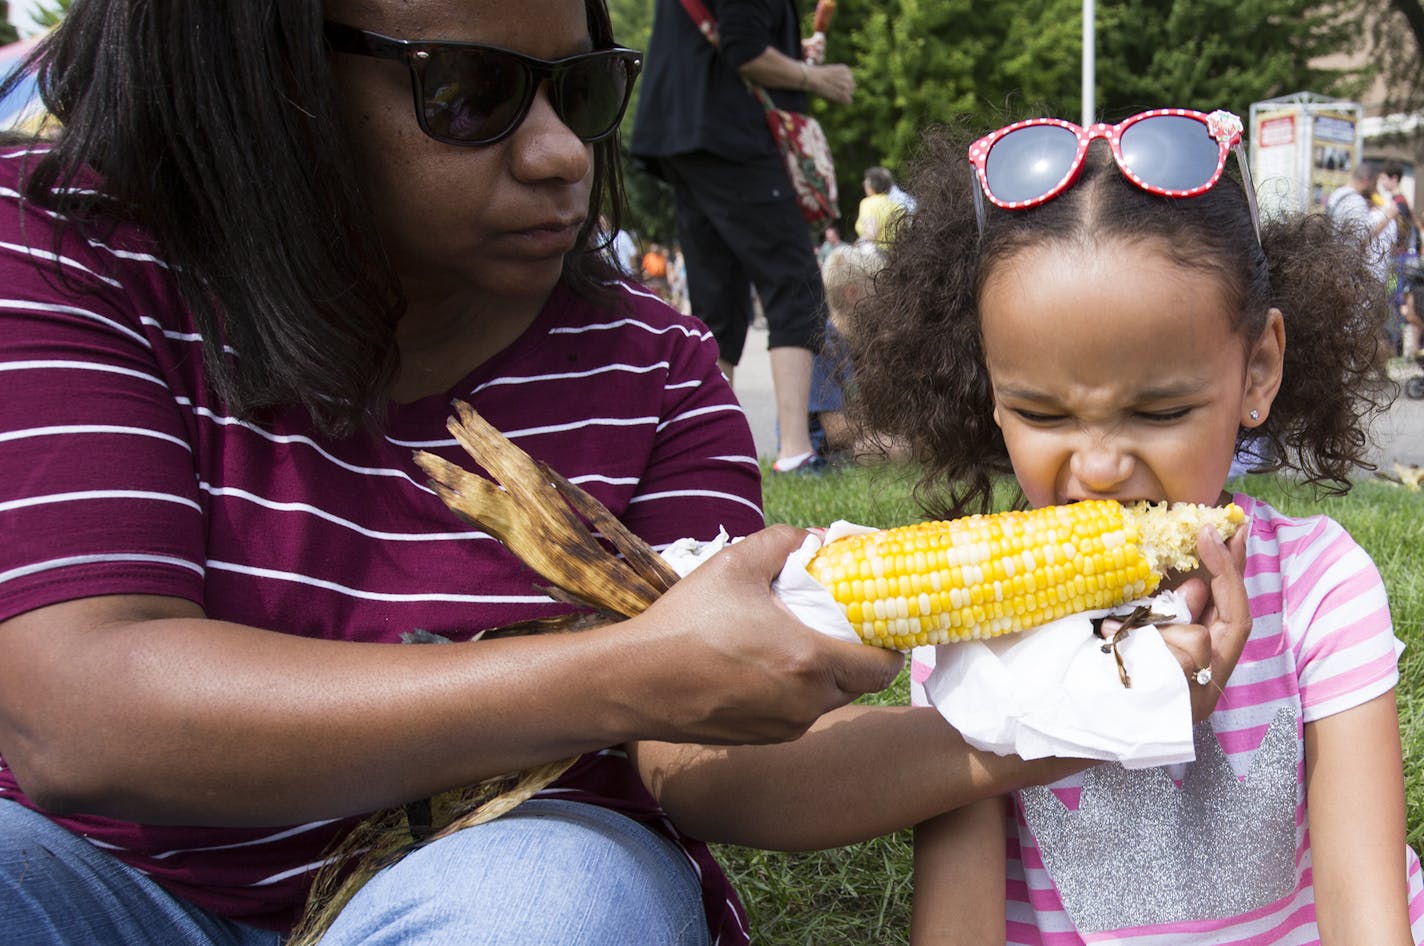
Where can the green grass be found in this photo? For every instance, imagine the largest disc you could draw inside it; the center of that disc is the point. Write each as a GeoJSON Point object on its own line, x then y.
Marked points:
{"type": "Point", "coordinates": [861, 894]}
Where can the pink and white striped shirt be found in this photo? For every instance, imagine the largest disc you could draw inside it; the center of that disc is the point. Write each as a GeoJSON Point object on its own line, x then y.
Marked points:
{"type": "Point", "coordinates": [1218, 850]}
{"type": "Point", "coordinates": [121, 473]}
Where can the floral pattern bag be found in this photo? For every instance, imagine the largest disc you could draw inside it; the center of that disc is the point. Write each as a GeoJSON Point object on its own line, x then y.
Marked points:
{"type": "Point", "coordinates": [798, 137]}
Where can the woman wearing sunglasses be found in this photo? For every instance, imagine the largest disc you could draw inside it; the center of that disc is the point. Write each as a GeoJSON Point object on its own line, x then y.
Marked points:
{"type": "Point", "coordinates": [238, 290]}
{"type": "Point", "coordinates": [1110, 320]}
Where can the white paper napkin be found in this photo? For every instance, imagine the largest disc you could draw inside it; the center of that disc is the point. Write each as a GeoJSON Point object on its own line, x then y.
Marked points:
{"type": "Point", "coordinates": [1051, 691]}
{"type": "Point", "coordinates": [807, 598]}
{"type": "Point", "coordinates": [686, 554]}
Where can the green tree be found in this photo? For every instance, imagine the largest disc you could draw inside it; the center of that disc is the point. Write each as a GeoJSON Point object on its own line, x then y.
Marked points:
{"type": "Point", "coordinates": [8, 33]}
{"type": "Point", "coordinates": [1221, 53]}
{"type": "Point", "coordinates": [650, 202]}
{"type": "Point", "coordinates": [1041, 58]}
{"type": "Point", "coordinates": [923, 61]}
{"type": "Point", "coordinates": [49, 14]}
{"type": "Point", "coordinates": [1396, 48]}
{"type": "Point", "coordinates": [915, 61]}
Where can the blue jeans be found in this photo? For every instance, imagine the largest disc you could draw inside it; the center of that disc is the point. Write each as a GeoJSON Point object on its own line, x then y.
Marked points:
{"type": "Point", "coordinates": [550, 872]}
{"type": "Point", "coordinates": [56, 888]}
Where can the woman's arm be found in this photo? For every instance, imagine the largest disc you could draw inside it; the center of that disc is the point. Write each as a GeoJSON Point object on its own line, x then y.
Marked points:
{"type": "Point", "coordinates": [139, 707]}
{"type": "Point", "coordinates": [864, 771]}
{"type": "Point", "coordinates": [1354, 789]}
{"type": "Point", "coordinates": [749, 43]}
{"type": "Point", "coordinates": [775, 70]}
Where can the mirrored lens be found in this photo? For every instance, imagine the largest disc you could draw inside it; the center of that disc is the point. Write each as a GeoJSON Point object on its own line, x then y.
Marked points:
{"type": "Point", "coordinates": [1170, 152]}
{"type": "Point", "coordinates": [1029, 162]}
{"type": "Point", "coordinates": [472, 94]}
{"type": "Point", "coordinates": [591, 94]}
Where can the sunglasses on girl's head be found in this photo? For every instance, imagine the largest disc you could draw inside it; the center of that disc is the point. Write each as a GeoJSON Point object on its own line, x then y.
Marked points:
{"type": "Point", "coordinates": [471, 94]}
{"type": "Point", "coordinates": [1171, 152]}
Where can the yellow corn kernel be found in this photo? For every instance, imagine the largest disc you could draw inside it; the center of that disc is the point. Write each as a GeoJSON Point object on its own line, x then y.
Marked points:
{"type": "Point", "coordinates": [987, 575]}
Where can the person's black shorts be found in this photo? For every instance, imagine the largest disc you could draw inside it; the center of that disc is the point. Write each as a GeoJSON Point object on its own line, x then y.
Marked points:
{"type": "Point", "coordinates": [739, 227]}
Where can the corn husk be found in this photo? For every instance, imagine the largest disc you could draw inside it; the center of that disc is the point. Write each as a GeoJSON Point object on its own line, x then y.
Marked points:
{"type": "Point", "coordinates": [549, 523]}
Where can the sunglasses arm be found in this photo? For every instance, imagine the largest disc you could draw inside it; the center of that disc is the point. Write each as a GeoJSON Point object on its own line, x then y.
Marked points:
{"type": "Point", "coordinates": [978, 202]}
{"type": "Point", "coordinates": [1249, 187]}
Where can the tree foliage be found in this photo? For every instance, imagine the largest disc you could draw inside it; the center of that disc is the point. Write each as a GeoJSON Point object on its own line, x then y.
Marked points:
{"type": "Point", "coordinates": [919, 62]}
{"type": "Point", "coordinates": [1396, 49]}
{"type": "Point", "coordinates": [45, 16]}
{"type": "Point", "coordinates": [49, 14]}
{"type": "Point", "coordinates": [1223, 53]}
{"type": "Point", "coordinates": [650, 204]}
{"type": "Point", "coordinates": [8, 33]}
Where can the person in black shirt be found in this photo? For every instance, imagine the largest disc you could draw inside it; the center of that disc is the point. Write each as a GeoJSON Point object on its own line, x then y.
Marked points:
{"type": "Point", "coordinates": [699, 129]}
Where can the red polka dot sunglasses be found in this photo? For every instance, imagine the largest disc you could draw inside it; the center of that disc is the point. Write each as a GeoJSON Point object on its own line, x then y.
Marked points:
{"type": "Point", "coordinates": [1171, 152]}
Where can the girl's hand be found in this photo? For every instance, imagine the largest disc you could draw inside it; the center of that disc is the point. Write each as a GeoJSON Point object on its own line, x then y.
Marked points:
{"type": "Point", "coordinates": [731, 663]}
{"type": "Point", "coordinates": [1222, 611]}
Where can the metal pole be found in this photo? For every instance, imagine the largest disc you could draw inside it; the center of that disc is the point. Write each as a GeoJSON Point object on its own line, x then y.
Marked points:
{"type": "Point", "coordinates": [1089, 65]}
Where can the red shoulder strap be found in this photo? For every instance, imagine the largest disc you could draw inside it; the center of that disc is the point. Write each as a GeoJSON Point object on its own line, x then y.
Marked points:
{"type": "Point", "coordinates": [708, 26]}
{"type": "Point", "coordinates": [702, 16]}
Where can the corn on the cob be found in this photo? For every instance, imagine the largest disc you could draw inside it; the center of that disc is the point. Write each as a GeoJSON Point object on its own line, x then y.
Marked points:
{"type": "Point", "coordinates": [987, 575]}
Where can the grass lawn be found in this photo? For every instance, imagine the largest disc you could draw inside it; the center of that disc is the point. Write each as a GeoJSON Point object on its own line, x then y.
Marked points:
{"type": "Point", "coordinates": [861, 894]}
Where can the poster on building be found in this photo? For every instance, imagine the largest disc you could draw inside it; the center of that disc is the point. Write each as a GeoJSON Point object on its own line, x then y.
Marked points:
{"type": "Point", "coordinates": [1335, 149]}
{"type": "Point", "coordinates": [1275, 145]}
{"type": "Point", "coordinates": [1302, 147]}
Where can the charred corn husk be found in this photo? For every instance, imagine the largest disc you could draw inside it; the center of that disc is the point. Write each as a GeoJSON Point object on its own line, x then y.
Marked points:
{"type": "Point", "coordinates": [987, 575]}
{"type": "Point", "coordinates": [549, 523]}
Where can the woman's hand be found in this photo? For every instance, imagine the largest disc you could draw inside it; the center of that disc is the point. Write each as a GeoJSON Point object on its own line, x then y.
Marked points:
{"type": "Point", "coordinates": [775, 70]}
{"type": "Point", "coordinates": [813, 49]}
{"type": "Point", "coordinates": [739, 667]}
{"type": "Point", "coordinates": [1222, 611]}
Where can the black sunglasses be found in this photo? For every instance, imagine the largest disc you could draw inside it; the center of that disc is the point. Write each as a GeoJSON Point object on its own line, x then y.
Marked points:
{"type": "Point", "coordinates": [471, 94]}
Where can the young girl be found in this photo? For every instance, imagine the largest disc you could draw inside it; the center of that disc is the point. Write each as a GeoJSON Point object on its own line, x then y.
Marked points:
{"type": "Point", "coordinates": [1109, 319]}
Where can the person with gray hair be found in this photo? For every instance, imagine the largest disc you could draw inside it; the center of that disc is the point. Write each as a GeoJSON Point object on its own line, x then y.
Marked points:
{"type": "Point", "coordinates": [1353, 210]}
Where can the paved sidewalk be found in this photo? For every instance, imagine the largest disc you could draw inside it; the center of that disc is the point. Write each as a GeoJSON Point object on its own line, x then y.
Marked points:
{"type": "Point", "coordinates": [1399, 434]}
{"type": "Point", "coordinates": [753, 389]}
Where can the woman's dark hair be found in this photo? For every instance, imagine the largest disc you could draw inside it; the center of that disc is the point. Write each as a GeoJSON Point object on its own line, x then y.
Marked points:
{"type": "Point", "coordinates": [214, 127]}
{"type": "Point", "coordinates": [919, 364]}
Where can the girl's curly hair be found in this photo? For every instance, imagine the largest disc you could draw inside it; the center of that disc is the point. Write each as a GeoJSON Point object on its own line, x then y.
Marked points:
{"type": "Point", "coordinates": [920, 378]}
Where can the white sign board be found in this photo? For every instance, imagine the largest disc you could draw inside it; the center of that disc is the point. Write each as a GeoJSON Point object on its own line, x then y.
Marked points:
{"type": "Point", "coordinates": [1302, 147]}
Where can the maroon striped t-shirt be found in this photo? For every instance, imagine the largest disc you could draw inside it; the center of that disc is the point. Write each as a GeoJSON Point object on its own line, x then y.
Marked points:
{"type": "Point", "coordinates": [120, 473]}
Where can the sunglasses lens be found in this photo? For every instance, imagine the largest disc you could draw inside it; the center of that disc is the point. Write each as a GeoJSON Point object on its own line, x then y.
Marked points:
{"type": "Point", "coordinates": [1171, 152]}
{"type": "Point", "coordinates": [1029, 162]}
{"type": "Point", "coordinates": [591, 95]}
{"type": "Point", "coordinates": [473, 94]}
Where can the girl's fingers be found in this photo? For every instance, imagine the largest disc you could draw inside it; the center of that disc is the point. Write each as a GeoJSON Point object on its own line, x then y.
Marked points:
{"type": "Point", "coordinates": [1227, 615]}
{"type": "Point", "coordinates": [1209, 649]}
{"type": "Point", "coordinates": [1190, 644]}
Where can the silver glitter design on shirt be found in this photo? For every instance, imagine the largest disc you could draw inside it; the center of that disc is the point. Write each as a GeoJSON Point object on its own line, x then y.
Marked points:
{"type": "Point", "coordinates": [1140, 851]}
